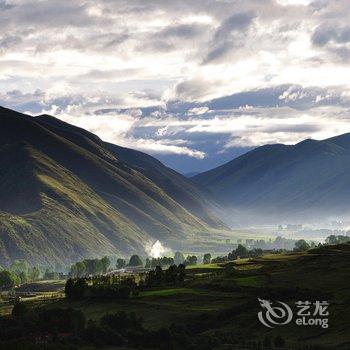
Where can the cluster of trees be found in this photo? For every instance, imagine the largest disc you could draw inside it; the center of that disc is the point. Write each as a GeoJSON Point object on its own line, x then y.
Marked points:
{"type": "Point", "coordinates": [271, 244]}
{"type": "Point", "coordinates": [20, 272]}
{"type": "Point", "coordinates": [333, 239]}
{"type": "Point", "coordinates": [89, 267]}
{"type": "Point", "coordinates": [122, 286]}
{"type": "Point", "coordinates": [134, 261]}
{"type": "Point", "coordinates": [101, 287]}
{"type": "Point", "coordinates": [154, 262]}
{"type": "Point", "coordinates": [174, 275]}
{"type": "Point", "coordinates": [301, 245]}
{"type": "Point", "coordinates": [179, 258]}
{"type": "Point", "coordinates": [241, 252]}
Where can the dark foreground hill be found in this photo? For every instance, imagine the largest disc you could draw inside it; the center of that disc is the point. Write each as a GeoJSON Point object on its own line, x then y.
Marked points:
{"type": "Point", "coordinates": [215, 307]}
{"type": "Point", "coordinates": [64, 195]}
{"type": "Point", "coordinates": [309, 180]}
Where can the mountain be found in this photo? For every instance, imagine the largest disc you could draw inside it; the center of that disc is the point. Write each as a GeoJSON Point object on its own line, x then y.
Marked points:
{"type": "Point", "coordinates": [175, 185]}
{"type": "Point", "coordinates": [65, 195]}
{"type": "Point", "coordinates": [191, 174]}
{"type": "Point", "coordinates": [306, 181]}
{"type": "Point", "coordinates": [171, 182]}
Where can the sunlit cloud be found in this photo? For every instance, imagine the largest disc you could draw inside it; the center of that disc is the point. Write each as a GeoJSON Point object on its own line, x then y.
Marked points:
{"type": "Point", "coordinates": [195, 79]}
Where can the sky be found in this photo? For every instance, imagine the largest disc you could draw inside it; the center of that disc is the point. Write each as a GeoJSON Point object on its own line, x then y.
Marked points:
{"type": "Point", "coordinates": [194, 83]}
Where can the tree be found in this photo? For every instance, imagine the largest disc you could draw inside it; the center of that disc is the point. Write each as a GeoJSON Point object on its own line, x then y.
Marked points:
{"type": "Point", "coordinates": [255, 253]}
{"type": "Point", "coordinates": [121, 263]}
{"type": "Point", "coordinates": [51, 275]}
{"type": "Point", "coordinates": [23, 276]}
{"type": "Point", "coordinates": [80, 268]}
{"type": "Point", "coordinates": [19, 309]}
{"type": "Point", "coordinates": [19, 266]}
{"type": "Point", "coordinates": [8, 279]}
{"type": "Point", "coordinates": [181, 272]}
{"type": "Point", "coordinates": [93, 266]}
{"type": "Point", "coordinates": [301, 245]}
{"type": "Point", "coordinates": [105, 264]}
{"type": "Point", "coordinates": [159, 275]}
{"type": "Point", "coordinates": [207, 258]}
{"type": "Point", "coordinates": [79, 288]}
{"type": "Point", "coordinates": [241, 251]}
{"type": "Point", "coordinates": [148, 263]}
{"type": "Point", "coordinates": [69, 288]}
{"type": "Point", "coordinates": [179, 258]}
{"type": "Point", "coordinates": [35, 273]}
{"type": "Point", "coordinates": [135, 260]}
{"type": "Point", "coordinates": [191, 260]}
{"type": "Point", "coordinates": [332, 239]}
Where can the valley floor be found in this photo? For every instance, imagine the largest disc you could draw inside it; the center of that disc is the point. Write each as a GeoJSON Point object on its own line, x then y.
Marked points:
{"type": "Point", "coordinates": [221, 301]}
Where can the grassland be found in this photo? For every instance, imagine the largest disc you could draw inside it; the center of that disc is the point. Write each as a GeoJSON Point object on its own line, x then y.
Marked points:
{"type": "Point", "coordinates": [223, 299]}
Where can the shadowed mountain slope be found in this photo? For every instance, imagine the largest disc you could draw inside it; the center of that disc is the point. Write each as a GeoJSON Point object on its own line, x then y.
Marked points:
{"type": "Point", "coordinates": [309, 179]}
{"type": "Point", "coordinates": [171, 182]}
{"type": "Point", "coordinates": [61, 182]}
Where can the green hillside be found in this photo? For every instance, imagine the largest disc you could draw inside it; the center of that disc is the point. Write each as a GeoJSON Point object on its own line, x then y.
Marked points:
{"type": "Point", "coordinates": [63, 196]}
{"type": "Point", "coordinates": [171, 182]}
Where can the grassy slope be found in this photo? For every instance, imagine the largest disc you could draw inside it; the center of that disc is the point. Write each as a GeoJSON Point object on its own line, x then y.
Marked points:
{"type": "Point", "coordinates": [113, 200]}
{"type": "Point", "coordinates": [174, 184]}
{"type": "Point", "coordinates": [71, 222]}
{"type": "Point", "coordinates": [212, 300]}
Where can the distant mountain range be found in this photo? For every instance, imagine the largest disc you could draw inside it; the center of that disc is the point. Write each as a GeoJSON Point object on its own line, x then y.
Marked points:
{"type": "Point", "coordinates": [65, 195]}
{"type": "Point", "coordinates": [273, 183]}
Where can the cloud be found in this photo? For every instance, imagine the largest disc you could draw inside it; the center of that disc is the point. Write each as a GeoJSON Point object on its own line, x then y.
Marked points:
{"type": "Point", "coordinates": [97, 75]}
{"type": "Point", "coordinates": [227, 37]}
{"type": "Point", "coordinates": [9, 42]}
{"type": "Point", "coordinates": [196, 82]}
{"type": "Point", "coordinates": [236, 23]}
{"type": "Point", "coordinates": [323, 35]}
{"type": "Point", "coordinates": [183, 31]}
{"type": "Point", "coordinates": [193, 89]}
{"type": "Point", "coordinates": [4, 5]}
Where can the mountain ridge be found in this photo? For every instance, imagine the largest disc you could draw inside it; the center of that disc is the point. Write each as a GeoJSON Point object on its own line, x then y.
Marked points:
{"type": "Point", "coordinates": [66, 163]}
{"type": "Point", "coordinates": [286, 181]}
